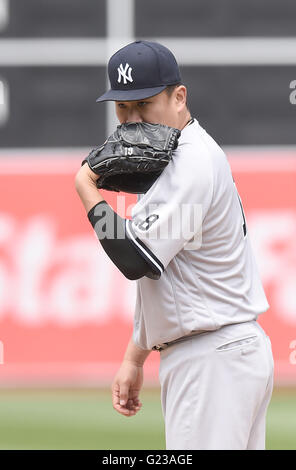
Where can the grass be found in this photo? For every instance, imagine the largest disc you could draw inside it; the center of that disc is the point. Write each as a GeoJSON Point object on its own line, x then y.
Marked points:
{"type": "Point", "coordinates": [281, 420]}
{"type": "Point", "coordinates": [85, 419]}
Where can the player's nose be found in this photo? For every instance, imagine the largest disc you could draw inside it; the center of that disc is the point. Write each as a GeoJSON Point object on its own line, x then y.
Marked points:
{"type": "Point", "coordinates": [134, 116]}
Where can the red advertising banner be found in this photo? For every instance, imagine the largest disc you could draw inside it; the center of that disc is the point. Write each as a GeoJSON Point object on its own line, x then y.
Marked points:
{"type": "Point", "coordinates": [66, 312]}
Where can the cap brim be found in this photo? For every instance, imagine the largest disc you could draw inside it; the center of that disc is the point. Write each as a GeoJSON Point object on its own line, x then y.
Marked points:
{"type": "Point", "coordinates": [130, 95]}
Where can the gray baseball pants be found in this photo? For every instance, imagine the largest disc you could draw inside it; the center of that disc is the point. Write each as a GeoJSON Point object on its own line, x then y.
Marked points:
{"type": "Point", "coordinates": [215, 389]}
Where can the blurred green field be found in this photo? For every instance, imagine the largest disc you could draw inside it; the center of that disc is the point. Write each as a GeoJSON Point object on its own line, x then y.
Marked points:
{"type": "Point", "coordinates": [85, 419]}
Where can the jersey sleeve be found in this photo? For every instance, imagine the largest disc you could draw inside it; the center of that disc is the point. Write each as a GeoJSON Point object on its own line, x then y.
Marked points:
{"type": "Point", "coordinates": [168, 218]}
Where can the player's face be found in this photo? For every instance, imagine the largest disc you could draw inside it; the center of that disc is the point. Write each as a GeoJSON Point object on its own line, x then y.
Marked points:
{"type": "Point", "coordinates": [159, 109]}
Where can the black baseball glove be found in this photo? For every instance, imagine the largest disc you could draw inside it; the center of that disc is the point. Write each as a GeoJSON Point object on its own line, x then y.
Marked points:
{"type": "Point", "coordinates": [133, 157]}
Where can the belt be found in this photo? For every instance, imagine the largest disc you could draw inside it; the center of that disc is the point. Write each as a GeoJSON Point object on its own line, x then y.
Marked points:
{"type": "Point", "coordinates": [162, 346]}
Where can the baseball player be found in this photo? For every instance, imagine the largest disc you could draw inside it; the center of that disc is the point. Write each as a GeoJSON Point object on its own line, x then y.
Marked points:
{"type": "Point", "coordinates": [199, 293]}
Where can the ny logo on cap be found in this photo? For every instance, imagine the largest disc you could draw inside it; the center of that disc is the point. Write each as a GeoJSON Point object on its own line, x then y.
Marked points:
{"type": "Point", "coordinates": [124, 73]}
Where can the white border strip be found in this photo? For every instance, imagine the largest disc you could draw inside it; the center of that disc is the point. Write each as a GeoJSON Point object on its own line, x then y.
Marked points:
{"type": "Point", "coordinates": [53, 52]}
{"type": "Point", "coordinates": [188, 51]}
{"type": "Point", "coordinates": [47, 374]}
{"type": "Point", "coordinates": [120, 31]}
{"type": "Point", "coordinates": [95, 374]}
{"type": "Point", "coordinates": [4, 14]}
{"type": "Point", "coordinates": [232, 51]}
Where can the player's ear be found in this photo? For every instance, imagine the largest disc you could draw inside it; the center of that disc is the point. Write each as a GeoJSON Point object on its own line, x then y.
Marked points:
{"type": "Point", "coordinates": [180, 97]}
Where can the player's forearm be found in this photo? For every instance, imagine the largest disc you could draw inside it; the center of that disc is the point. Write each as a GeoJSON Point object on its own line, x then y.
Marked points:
{"type": "Point", "coordinates": [110, 228]}
{"type": "Point", "coordinates": [135, 354]}
{"type": "Point", "coordinates": [85, 183]}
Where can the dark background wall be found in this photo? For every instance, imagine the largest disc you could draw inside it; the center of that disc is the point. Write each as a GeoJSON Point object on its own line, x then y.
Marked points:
{"type": "Point", "coordinates": [54, 106]}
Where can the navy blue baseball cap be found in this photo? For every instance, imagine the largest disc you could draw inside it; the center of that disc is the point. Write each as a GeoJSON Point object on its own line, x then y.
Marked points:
{"type": "Point", "coordinates": [140, 70]}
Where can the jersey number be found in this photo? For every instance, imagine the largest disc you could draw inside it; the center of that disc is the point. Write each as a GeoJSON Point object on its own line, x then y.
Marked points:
{"type": "Point", "coordinates": [146, 224]}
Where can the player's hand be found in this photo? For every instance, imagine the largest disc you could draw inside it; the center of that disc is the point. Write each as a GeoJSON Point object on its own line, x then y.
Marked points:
{"type": "Point", "coordinates": [126, 388]}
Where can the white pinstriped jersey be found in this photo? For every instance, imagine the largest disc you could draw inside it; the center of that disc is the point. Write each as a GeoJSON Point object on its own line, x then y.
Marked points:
{"type": "Point", "coordinates": [191, 227]}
